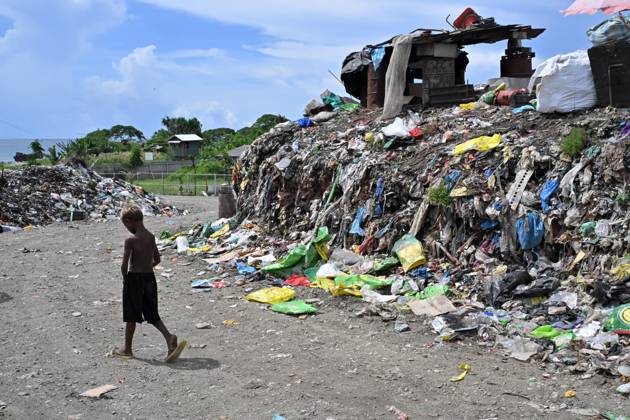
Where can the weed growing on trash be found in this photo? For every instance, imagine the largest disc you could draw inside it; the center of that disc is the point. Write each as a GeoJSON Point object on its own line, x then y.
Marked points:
{"type": "Point", "coordinates": [573, 142]}
{"type": "Point", "coordinates": [439, 196]}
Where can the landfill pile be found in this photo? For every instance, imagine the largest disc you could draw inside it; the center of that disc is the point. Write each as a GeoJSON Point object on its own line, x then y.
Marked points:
{"type": "Point", "coordinates": [38, 195]}
{"type": "Point", "coordinates": [501, 224]}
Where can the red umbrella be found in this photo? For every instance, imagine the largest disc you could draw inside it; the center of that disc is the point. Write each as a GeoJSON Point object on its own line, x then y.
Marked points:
{"type": "Point", "coordinates": [593, 6]}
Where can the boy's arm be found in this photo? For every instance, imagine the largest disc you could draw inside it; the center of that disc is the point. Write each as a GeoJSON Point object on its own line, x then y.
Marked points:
{"type": "Point", "coordinates": [124, 267]}
{"type": "Point", "coordinates": [156, 255]}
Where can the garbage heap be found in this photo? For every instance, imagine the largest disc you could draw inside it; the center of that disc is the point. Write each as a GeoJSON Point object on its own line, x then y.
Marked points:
{"type": "Point", "coordinates": [39, 195]}
{"type": "Point", "coordinates": [510, 224]}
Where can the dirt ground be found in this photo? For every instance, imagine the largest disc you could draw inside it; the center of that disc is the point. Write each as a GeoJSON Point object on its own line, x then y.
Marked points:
{"type": "Point", "coordinates": [61, 313]}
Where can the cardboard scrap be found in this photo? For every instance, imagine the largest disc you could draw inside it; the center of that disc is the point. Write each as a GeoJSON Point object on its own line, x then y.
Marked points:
{"type": "Point", "coordinates": [434, 306]}
{"type": "Point", "coordinates": [228, 256]}
{"type": "Point", "coordinates": [98, 392]}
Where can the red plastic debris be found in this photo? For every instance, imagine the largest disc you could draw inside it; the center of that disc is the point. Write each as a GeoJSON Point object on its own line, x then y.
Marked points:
{"type": "Point", "coordinates": [294, 280]}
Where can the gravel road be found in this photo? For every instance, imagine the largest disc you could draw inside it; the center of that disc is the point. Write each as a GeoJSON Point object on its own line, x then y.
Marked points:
{"type": "Point", "coordinates": [60, 305]}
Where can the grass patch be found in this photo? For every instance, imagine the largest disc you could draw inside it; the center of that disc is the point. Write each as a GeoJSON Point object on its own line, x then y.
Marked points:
{"type": "Point", "coordinates": [574, 142]}
{"type": "Point", "coordinates": [187, 185]}
{"type": "Point", "coordinates": [439, 196]}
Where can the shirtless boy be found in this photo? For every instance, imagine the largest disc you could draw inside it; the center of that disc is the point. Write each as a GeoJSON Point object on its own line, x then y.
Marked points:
{"type": "Point", "coordinates": [140, 302]}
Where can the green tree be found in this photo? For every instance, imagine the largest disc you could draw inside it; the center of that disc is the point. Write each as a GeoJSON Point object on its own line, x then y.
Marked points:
{"type": "Point", "coordinates": [135, 160]}
{"type": "Point", "coordinates": [37, 148]}
{"type": "Point", "coordinates": [125, 133]}
{"type": "Point", "coordinates": [181, 125]}
{"type": "Point", "coordinates": [53, 155]}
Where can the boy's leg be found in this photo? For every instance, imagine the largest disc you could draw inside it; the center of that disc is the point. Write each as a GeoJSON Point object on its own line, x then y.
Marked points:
{"type": "Point", "coordinates": [171, 340]}
{"type": "Point", "coordinates": [130, 328]}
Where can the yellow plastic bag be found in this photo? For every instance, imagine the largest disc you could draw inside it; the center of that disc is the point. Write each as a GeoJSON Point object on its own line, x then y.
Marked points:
{"type": "Point", "coordinates": [225, 229]}
{"type": "Point", "coordinates": [271, 295]}
{"type": "Point", "coordinates": [409, 252]}
{"type": "Point", "coordinates": [622, 270]}
{"type": "Point", "coordinates": [481, 144]}
{"type": "Point", "coordinates": [469, 106]}
{"type": "Point", "coordinates": [204, 248]}
{"type": "Point", "coordinates": [461, 192]}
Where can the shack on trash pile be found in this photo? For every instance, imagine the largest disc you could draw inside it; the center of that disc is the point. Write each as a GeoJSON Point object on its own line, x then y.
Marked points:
{"type": "Point", "coordinates": [185, 145]}
{"type": "Point", "coordinates": [428, 66]}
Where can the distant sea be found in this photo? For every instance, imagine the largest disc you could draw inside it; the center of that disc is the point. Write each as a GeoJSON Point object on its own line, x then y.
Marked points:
{"type": "Point", "coordinates": [8, 147]}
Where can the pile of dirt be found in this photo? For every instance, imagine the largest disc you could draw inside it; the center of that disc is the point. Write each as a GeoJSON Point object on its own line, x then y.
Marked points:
{"type": "Point", "coordinates": [40, 195]}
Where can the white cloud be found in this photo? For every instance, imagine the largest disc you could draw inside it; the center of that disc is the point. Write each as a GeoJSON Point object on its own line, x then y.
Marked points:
{"type": "Point", "coordinates": [199, 53]}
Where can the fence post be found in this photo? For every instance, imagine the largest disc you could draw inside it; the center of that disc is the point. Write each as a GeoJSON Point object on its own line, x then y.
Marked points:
{"type": "Point", "coordinates": [195, 183]}
{"type": "Point", "coordinates": [214, 184]}
{"type": "Point", "coordinates": [163, 192]}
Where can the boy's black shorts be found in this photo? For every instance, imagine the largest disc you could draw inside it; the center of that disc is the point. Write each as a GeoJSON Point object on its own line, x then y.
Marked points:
{"type": "Point", "coordinates": [140, 301]}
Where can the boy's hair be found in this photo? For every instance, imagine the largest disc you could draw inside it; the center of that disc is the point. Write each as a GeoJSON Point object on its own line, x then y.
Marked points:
{"type": "Point", "coordinates": [131, 213]}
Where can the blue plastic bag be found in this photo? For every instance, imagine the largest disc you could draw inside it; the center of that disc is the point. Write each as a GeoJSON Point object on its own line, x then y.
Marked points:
{"type": "Point", "coordinates": [305, 122]}
{"type": "Point", "coordinates": [378, 208]}
{"type": "Point", "coordinates": [613, 29]}
{"type": "Point", "coordinates": [546, 192]}
{"type": "Point", "coordinates": [530, 230]}
{"type": "Point", "coordinates": [377, 56]}
{"type": "Point", "coordinates": [358, 219]}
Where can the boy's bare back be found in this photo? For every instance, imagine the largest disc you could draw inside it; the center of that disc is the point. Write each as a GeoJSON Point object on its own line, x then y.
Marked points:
{"type": "Point", "coordinates": [143, 252]}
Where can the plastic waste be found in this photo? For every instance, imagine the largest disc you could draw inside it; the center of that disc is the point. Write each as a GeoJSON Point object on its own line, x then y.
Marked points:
{"type": "Point", "coordinates": [568, 298]}
{"type": "Point", "coordinates": [398, 128]}
{"type": "Point", "coordinates": [545, 332]}
{"type": "Point", "coordinates": [271, 295]}
{"type": "Point", "coordinates": [356, 224]}
{"type": "Point", "coordinates": [588, 227]}
{"type": "Point", "coordinates": [480, 144]}
{"type": "Point", "coordinates": [318, 248]}
{"type": "Point", "coordinates": [562, 340]}
{"type": "Point", "coordinates": [329, 270]}
{"type": "Point", "coordinates": [624, 389]}
{"type": "Point", "coordinates": [530, 230]}
{"type": "Point", "coordinates": [588, 330]}
{"type": "Point", "coordinates": [295, 257]}
{"type": "Point", "coordinates": [546, 192]}
{"type": "Point", "coordinates": [305, 122]}
{"type": "Point", "coordinates": [294, 307]}
{"type": "Point", "coordinates": [602, 228]}
{"type": "Point", "coordinates": [520, 348]}
{"type": "Point", "coordinates": [371, 296]}
{"type": "Point", "coordinates": [244, 268]}
{"type": "Point", "coordinates": [410, 252]}
{"type": "Point", "coordinates": [296, 280]}
{"type": "Point", "coordinates": [360, 280]}
{"type": "Point", "coordinates": [610, 30]}
{"type": "Point", "coordinates": [433, 290]}
{"type": "Point", "coordinates": [9, 229]}
{"type": "Point", "coordinates": [622, 269]}
{"type": "Point", "coordinates": [182, 244]}
{"type": "Point", "coordinates": [619, 320]}
{"type": "Point", "coordinates": [465, 367]}
{"type": "Point", "coordinates": [602, 340]}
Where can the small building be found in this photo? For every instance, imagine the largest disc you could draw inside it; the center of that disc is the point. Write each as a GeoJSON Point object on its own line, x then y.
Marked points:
{"type": "Point", "coordinates": [237, 152]}
{"type": "Point", "coordinates": [185, 146]}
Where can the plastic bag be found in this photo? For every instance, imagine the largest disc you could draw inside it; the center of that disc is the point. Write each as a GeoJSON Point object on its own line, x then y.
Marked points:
{"type": "Point", "coordinates": [294, 307]}
{"type": "Point", "coordinates": [271, 295]}
{"type": "Point", "coordinates": [398, 128]}
{"type": "Point", "coordinates": [545, 331]}
{"type": "Point", "coordinates": [433, 290]}
{"type": "Point", "coordinates": [547, 191]}
{"type": "Point", "coordinates": [317, 248]}
{"type": "Point", "coordinates": [329, 271]}
{"type": "Point", "coordinates": [530, 231]}
{"type": "Point", "coordinates": [295, 257]}
{"type": "Point", "coordinates": [356, 224]}
{"type": "Point", "coordinates": [296, 280]}
{"type": "Point", "coordinates": [305, 122]}
{"type": "Point", "coordinates": [182, 244]}
{"type": "Point", "coordinates": [480, 144]}
{"type": "Point", "coordinates": [613, 29]}
{"type": "Point", "coordinates": [361, 280]}
{"type": "Point", "coordinates": [566, 83]}
{"type": "Point", "coordinates": [619, 320]}
{"type": "Point", "coordinates": [409, 252]}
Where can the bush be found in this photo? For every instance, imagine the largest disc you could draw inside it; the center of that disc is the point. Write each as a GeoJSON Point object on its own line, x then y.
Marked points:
{"type": "Point", "coordinates": [135, 160]}
{"type": "Point", "coordinates": [574, 142]}
{"type": "Point", "coordinates": [439, 196]}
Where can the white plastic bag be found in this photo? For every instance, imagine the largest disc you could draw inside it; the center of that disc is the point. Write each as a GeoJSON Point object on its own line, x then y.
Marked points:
{"type": "Point", "coordinates": [399, 128]}
{"type": "Point", "coordinates": [566, 83]}
{"type": "Point", "coordinates": [182, 244]}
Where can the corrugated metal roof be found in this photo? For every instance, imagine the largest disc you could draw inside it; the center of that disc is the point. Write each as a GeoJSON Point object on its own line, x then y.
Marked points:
{"type": "Point", "coordinates": [178, 138]}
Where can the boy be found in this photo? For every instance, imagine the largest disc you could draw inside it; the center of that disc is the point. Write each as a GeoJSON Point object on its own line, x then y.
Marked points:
{"type": "Point", "coordinates": [139, 285]}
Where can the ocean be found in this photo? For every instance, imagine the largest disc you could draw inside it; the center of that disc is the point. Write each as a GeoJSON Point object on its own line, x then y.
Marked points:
{"type": "Point", "coordinates": [8, 147]}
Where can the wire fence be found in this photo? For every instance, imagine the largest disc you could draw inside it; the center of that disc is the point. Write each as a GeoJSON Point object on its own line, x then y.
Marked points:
{"type": "Point", "coordinates": [176, 184]}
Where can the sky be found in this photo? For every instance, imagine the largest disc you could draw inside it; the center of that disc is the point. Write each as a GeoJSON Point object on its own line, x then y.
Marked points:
{"type": "Point", "coordinates": [68, 67]}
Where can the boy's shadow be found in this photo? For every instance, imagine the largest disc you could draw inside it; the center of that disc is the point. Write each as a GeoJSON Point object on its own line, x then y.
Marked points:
{"type": "Point", "coordinates": [184, 363]}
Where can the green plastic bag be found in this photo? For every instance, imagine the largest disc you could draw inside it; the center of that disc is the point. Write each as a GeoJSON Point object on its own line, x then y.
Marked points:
{"type": "Point", "coordinates": [386, 264]}
{"type": "Point", "coordinates": [619, 320]}
{"type": "Point", "coordinates": [433, 290]}
{"type": "Point", "coordinates": [318, 248]}
{"type": "Point", "coordinates": [294, 307]}
{"type": "Point", "coordinates": [562, 340]}
{"type": "Point", "coordinates": [546, 332]}
{"type": "Point", "coordinates": [360, 280]}
{"type": "Point", "coordinates": [165, 234]}
{"type": "Point", "coordinates": [334, 100]}
{"type": "Point", "coordinates": [295, 257]}
{"type": "Point", "coordinates": [409, 252]}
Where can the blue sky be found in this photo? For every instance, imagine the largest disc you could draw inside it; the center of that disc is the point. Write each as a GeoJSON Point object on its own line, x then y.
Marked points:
{"type": "Point", "coordinates": [71, 66]}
